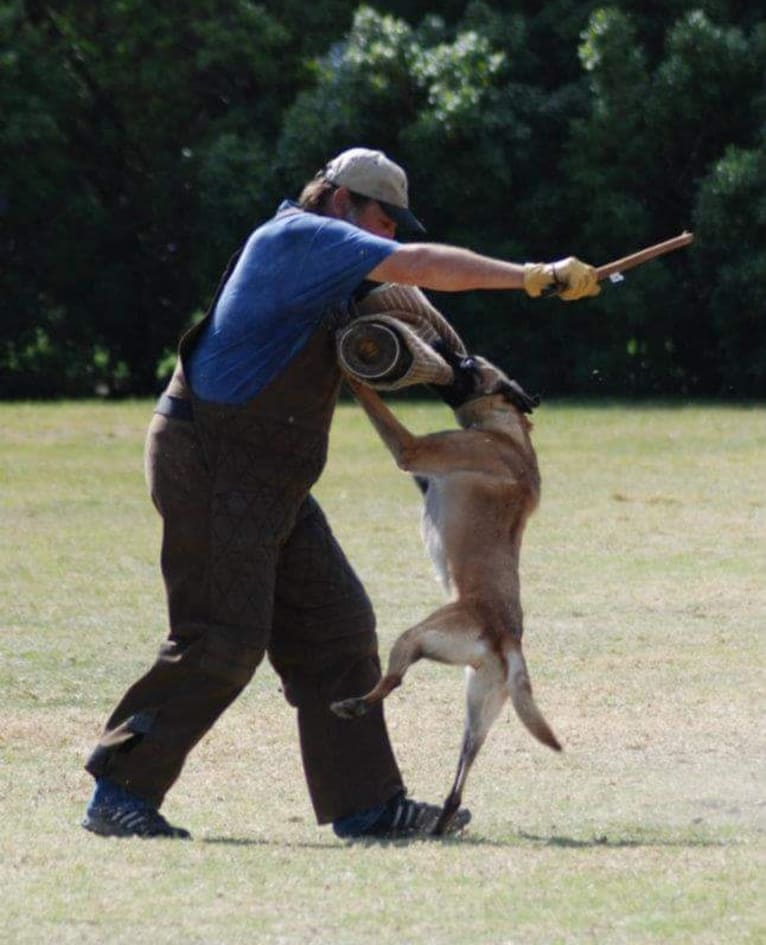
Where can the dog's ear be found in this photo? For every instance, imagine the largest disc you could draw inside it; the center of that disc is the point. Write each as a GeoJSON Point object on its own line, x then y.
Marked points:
{"type": "Point", "coordinates": [474, 376]}
{"type": "Point", "coordinates": [515, 394]}
{"type": "Point", "coordinates": [496, 381]}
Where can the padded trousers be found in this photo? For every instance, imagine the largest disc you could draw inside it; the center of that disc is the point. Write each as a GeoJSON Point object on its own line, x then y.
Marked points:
{"type": "Point", "coordinates": [250, 571]}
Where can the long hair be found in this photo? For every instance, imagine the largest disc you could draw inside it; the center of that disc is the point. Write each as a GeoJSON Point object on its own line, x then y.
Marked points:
{"type": "Point", "coordinates": [317, 193]}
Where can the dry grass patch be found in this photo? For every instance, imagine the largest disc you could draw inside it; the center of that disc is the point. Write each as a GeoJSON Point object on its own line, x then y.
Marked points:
{"type": "Point", "coordinates": [644, 595]}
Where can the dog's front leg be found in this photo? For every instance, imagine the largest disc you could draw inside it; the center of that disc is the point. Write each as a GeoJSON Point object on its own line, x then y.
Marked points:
{"type": "Point", "coordinates": [395, 435]}
{"type": "Point", "coordinates": [434, 453]}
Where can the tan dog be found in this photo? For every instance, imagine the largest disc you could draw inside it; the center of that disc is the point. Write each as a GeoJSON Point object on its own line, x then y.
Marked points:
{"type": "Point", "coordinates": [481, 483]}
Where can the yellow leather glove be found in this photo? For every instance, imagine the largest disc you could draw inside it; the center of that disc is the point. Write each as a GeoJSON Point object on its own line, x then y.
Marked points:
{"type": "Point", "coordinates": [571, 278]}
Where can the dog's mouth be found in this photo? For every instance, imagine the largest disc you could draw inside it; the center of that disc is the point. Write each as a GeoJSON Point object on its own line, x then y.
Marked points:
{"type": "Point", "coordinates": [466, 376]}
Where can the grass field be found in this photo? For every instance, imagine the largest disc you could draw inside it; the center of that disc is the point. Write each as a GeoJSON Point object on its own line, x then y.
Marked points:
{"type": "Point", "coordinates": [645, 597]}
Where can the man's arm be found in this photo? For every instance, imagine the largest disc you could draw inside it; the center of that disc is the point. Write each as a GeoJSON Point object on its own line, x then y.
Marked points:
{"type": "Point", "coordinates": [447, 269]}
{"type": "Point", "coordinates": [452, 269]}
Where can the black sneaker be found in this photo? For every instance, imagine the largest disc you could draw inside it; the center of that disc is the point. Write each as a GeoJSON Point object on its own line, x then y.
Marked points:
{"type": "Point", "coordinates": [129, 820]}
{"type": "Point", "coordinates": [406, 818]}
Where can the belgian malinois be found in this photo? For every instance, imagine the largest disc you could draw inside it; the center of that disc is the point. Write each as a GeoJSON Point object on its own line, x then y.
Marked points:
{"type": "Point", "coordinates": [480, 484]}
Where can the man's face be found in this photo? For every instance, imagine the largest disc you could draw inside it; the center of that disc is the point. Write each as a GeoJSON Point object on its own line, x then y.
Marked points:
{"type": "Point", "coordinates": [373, 219]}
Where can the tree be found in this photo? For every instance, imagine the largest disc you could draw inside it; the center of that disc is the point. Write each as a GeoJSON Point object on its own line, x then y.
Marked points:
{"type": "Point", "coordinates": [116, 118]}
{"type": "Point", "coordinates": [661, 118]}
{"type": "Point", "coordinates": [730, 214]}
{"type": "Point", "coordinates": [140, 144]}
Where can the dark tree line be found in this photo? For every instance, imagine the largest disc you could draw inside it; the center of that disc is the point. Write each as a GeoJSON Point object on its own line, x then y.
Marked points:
{"type": "Point", "coordinates": [139, 144]}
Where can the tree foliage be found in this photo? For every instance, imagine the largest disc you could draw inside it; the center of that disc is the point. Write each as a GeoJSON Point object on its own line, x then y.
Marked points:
{"type": "Point", "coordinates": [140, 144]}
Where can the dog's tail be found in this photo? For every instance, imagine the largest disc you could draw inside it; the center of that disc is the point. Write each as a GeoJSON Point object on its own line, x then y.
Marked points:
{"type": "Point", "coordinates": [520, 690]}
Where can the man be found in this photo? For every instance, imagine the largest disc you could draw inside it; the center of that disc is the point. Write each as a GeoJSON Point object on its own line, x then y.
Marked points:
{"type": "Point", "coordinates": [249, 562]}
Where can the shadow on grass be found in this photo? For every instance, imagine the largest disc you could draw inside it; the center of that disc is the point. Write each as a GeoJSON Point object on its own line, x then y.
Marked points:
{"type": "Point", "coordinates": [331, 844]}
{"type": "Point", "coordinates": [619, 843]}
{"type": "Point", "coordinates": [519, 840]}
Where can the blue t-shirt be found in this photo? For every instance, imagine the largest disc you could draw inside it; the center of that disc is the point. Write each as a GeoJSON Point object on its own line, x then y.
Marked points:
{"type": "Point", "coordinates": [293, 270]}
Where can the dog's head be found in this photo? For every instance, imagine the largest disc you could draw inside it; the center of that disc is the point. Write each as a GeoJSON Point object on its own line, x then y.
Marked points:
{"type": "Point", "coordinates": [475, 378]}
{"type": "Point", "coordinates": [492, 381]}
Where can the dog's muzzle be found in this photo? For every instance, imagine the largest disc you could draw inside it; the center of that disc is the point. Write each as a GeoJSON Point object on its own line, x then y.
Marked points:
{"type": "Point", "coordinates": [465, 377]}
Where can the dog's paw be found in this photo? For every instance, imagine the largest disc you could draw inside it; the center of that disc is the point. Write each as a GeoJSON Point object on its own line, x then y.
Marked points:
{"type": "Point", "coordinates": [350, 708]}
{"type": "Point", "coordinates": [452, 818]}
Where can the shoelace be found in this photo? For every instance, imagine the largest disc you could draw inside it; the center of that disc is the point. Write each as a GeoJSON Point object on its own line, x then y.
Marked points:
{"type": "Point", "coordinates": [411, 815]}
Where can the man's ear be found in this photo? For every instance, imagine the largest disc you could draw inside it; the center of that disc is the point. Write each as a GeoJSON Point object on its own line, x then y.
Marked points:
{"type": "Point", "coordinates": [340, 201]}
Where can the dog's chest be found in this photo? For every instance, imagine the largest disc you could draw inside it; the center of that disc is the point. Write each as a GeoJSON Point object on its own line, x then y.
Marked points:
{"type": "Point", "coordinates": [431, 527]}
{"type": "Point", "coordinates": [449, 503]}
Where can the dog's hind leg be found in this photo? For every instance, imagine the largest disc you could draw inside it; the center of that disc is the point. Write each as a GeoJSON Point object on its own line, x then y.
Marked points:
{"type": "Point", "coordinates": [486, 693]}
{"type": "Point", "coordinates": [452, 634]}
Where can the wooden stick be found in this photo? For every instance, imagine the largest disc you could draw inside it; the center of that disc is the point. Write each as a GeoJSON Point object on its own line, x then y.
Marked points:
{"type": "Point", "coordinates": [644, 255]}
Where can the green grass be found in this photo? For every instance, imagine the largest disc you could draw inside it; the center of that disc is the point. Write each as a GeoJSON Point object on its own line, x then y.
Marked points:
{"type": "Point", "coordinates": [644, 592]}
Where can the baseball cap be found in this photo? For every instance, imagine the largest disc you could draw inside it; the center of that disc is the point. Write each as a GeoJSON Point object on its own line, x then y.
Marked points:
{"type": "Point", "coordinates": [372, 174]}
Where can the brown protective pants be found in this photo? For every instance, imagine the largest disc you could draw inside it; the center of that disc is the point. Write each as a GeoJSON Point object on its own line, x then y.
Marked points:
{"type": "Point", "coordinates": [251, 567]}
